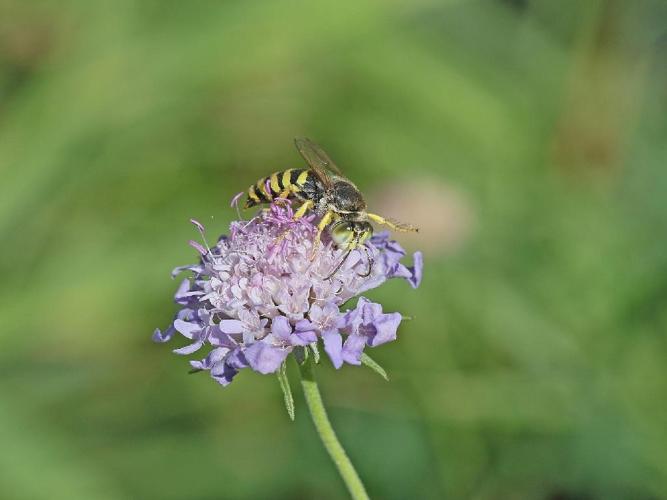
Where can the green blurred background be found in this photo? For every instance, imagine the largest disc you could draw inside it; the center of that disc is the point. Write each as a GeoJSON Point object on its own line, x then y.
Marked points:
{"type": "Point", "coordinates": [527, 137]}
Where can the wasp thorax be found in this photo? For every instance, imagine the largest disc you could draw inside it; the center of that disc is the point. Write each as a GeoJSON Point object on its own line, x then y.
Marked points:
{"type": "Point", "coordinates": [347, 198]}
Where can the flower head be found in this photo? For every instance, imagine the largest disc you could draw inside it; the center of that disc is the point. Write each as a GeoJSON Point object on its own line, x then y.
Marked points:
{"type": "Point", "coordinates": [260, 293]}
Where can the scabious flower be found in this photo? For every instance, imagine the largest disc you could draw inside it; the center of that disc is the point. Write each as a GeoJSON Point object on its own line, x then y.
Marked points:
{"type": "Point", "coordinates": [260, 293]}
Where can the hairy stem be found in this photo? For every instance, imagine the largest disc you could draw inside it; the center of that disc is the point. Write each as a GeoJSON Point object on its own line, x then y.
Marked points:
{"type": "Point", "coordinates": [326, 432]}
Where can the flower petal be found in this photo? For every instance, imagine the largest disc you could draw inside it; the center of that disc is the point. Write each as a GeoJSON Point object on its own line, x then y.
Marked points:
{"type": "Point", "coordinates": [180, 296]}
{"type": "Point", "coordinates": [223, 373]}
{"type": "Point", "coordinates": [416, 269]}
{"type": "Point", "coordinates": [236, 359]}
{"type": "Point", "coordinates": [369, 310]}
{"type": "Point", "coordinates": [333, 345]}
{"type": "Point", "coordinates": [231, 326]}
{"type": "Point", "coordinates": [160, 336]}
{"type": "Point", "coordinates": [412, 275]}
{"type": "Point", "coordinates": [303, 338]}
{"type": "Point", "coordinates": [195, 268]}
{"type": "Point", "coordinates": [213, 357]}
{"type": "Point", "coordinates": [219, 338]}
{"type": "Point", "coordinates": [385, 329]}
{"type": "Point", "coordinates": [281, 328]}
{"type": "Point", "coordinates": [352, 349]}
{"type": "Point", "coordinates": [265, 358]}
{"type": "Point", "coordinates": [305, 332]}
{"type": "Point", "coordinates": [189, 349]}
{"type": "Point", "coordinates": [187, 329]}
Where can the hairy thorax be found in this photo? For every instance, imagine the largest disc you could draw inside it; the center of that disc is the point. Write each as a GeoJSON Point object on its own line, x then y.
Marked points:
{"type": "Point", "coordinates": [345, 197]}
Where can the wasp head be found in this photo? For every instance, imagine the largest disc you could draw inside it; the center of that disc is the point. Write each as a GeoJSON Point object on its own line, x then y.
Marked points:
{"type": "Point", "coordinates": [348, 235]}
{"type": "Point", "coordinates": [351, 234]}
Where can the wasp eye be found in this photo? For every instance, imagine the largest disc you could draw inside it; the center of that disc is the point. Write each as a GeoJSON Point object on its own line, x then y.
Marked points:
{"type": "Point", "coordinates": [342, 235]}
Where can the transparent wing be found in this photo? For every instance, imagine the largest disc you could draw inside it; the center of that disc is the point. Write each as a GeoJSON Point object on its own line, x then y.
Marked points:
{"type": "Point", "coordinates": [317, 159]}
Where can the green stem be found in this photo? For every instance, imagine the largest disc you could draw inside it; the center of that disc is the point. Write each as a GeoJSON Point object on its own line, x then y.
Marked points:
{"type": "Point", "coordinates": [327, 434]}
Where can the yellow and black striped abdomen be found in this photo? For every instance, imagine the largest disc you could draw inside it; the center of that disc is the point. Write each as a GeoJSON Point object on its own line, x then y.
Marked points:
{"type": "Point", "coordinates": [286, 184]}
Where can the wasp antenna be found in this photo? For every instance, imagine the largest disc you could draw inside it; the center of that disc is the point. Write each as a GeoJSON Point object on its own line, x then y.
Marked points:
{"type": "Point", "coordinates": [393, 224]}
{"type": "Point", "coordinates": [404, 227]}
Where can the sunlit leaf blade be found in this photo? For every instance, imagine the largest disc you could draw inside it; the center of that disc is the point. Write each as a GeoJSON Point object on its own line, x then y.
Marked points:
{"type": "Point", "coordinates": [287, 390]}
{"type": "Point", "coordinates": [370, 363]}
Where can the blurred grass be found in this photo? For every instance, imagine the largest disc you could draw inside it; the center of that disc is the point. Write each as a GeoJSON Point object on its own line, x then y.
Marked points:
{"type": "Point", "coordinates": [535, 365]}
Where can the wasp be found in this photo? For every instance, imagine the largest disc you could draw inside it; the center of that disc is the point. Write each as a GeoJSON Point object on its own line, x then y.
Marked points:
{"type": "Point", "coordinates": [323, 188]}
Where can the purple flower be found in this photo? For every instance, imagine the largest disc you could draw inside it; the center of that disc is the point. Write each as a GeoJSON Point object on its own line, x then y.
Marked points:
{"type": "Point", "coordinates": [257, 295]}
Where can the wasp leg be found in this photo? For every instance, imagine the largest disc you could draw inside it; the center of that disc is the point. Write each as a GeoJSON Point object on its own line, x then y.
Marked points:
{"type": "Point", "coordinates": [307, 205]}
{"type": "Point", "coordinates": [394, 225]}
{"type": "Point", "coordinates": [284, 194]}
{"type": "Point", "coordinates": [326, 219]}
{"type": "Point", "coordinates": [299, 213]}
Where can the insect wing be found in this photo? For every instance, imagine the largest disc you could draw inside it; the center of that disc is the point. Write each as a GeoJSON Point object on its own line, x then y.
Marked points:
{"type": "Point", "coordinates": [317, 159]}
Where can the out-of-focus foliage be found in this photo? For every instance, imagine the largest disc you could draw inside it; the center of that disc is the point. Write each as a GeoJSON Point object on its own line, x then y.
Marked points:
{"type": "Point", "coordinates": [535, 364]}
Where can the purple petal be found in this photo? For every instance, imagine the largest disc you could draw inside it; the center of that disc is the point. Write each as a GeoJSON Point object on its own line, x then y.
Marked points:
{"type": "Point", "coordinates": [306, 333]}
{"type": "Point", "coordinates": [214, 357]}
{"type": "Point", "coordinates": [385, 329]}
{"type": "Point", "coordinates": [231, 326]}
{"type": "Point", "coordinates": [265, 358]}
{"type": "Point", "coordinates": [369, 310]}
{"type": "Point", "coordinates": [352, 349]}
{"type": "Point", "coordinates": [223, 373]}
{"type": "Point", "coordinates": [189, 349]}
{"type": "Point", "coordinates": [319, 314]}
{"type": "Point", "coordinates": [161, 337]}
{"type": "Point", "coordinates": [304, 338]}
{"type": "Point", "coordinates": [183, 288]}
{"type": "Point", "coordinates": [333, 345]}
{"type": "Point", "coordinates": [305, 325]}
{"type": "Point", "coordinates": [380, 239]}
{"type": "Point", "coordinates": [220, 339]}
{"type": "Point", "coordinates": [196, 268]}
{"type": "Point", "coordinates": [236, 359]}
{"type": "Point", "coordinates": [351, 320]}
{"type": "Point", "coordinates": [394, 248]}
{"type": "Point", "coordinates": [186, 328]}
{"type": "Point", "coordinates": [412, 274]}
{"type": "Point", "coordinates": [186, 314]}
{"type": "Point", "coordinates": [281, 328]}
{"type": "Point", "coordinates": [416, 269]}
